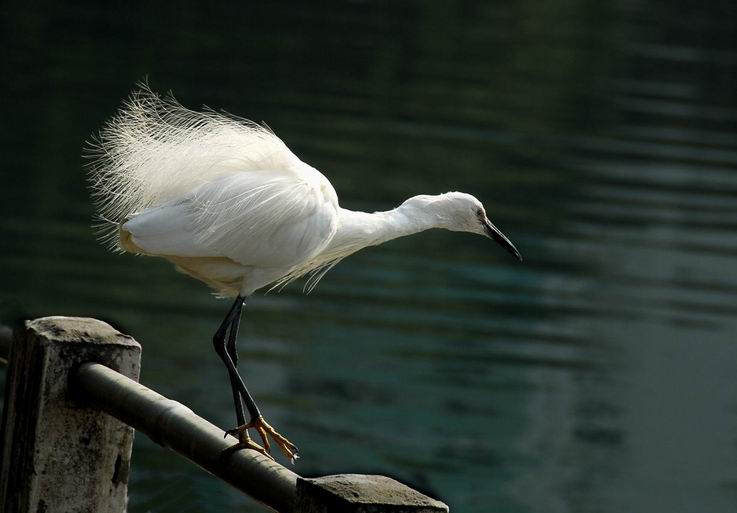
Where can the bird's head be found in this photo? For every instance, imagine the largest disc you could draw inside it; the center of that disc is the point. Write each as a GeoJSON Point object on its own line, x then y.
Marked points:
{"type": "Point", "coordinates": [459, 212]}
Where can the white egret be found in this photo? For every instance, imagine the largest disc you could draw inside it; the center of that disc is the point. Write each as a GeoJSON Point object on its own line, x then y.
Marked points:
{"type": "Point", "coordinates": [228, 203]}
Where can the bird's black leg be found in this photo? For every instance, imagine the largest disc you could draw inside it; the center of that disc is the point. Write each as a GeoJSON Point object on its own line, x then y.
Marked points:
{"type": "Point", "coordinates": [228, 353]}
{"type": "Point", "coordinates": [232, 351]}
{"type": "Point", "coordinates": [230, 324]}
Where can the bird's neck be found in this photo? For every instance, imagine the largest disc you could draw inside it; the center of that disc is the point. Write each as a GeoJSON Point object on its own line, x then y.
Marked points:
{"type": "Point", "coordinates": [362, 229]}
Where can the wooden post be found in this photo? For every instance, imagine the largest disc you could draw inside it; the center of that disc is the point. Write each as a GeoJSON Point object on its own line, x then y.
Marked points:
{"type": "Point", "coordinates": [55, 455]}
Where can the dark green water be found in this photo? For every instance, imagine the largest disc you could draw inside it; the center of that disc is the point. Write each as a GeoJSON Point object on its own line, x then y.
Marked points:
{"type": "Point", "coordinates": [598, 376]}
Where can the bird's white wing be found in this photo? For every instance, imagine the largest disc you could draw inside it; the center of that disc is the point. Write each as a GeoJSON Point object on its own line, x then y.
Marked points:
{"type": "Point", "coordinates": [260, 218]}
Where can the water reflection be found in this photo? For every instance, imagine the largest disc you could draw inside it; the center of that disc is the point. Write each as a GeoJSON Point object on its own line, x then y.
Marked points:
{"type": "Point", "coordinates": [598, 376]}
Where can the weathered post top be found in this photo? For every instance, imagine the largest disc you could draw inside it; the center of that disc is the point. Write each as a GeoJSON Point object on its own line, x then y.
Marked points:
{"type": "Point", "coordinates": [57, 455]}
{"type": "Point", "coordinates": [358, 493]}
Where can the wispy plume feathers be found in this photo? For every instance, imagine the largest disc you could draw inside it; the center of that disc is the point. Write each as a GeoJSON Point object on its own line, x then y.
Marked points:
{"type": "Point", "coordinates": [154, 151]}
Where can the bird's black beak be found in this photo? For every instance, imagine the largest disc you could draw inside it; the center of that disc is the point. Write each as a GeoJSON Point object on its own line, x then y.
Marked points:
{"type": "Point", "coordinates": [493, 233]}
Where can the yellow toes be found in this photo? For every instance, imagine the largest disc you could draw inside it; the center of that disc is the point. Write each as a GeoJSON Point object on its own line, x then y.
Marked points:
{"type": "Point", "coordinates": [265, 431]}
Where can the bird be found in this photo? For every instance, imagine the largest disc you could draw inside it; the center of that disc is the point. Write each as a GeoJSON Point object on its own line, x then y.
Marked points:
{"type": "Point", "coordinates": [228, 203]}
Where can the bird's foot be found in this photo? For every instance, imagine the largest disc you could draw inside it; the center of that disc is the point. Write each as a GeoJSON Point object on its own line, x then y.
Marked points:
{"type": "Point", "coordinates": [265, 431]}
{"type": "Point", "coordinates": [244, 442]}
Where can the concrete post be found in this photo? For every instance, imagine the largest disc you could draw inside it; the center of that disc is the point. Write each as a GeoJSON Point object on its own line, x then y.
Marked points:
{"type": "Point", "coordinates": [55, 455]}
{"type": "Point", "coordinates": [357, 493]}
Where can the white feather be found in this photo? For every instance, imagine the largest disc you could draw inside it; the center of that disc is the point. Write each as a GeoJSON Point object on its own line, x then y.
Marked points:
{"type": "Point", "coordinates": [155, 151]}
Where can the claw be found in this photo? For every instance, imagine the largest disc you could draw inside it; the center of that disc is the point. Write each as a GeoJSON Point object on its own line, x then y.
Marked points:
{"type": "Point", "coordinates": [264, 431]}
